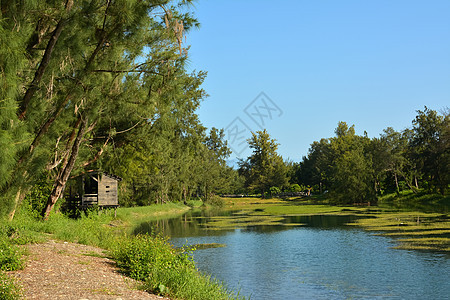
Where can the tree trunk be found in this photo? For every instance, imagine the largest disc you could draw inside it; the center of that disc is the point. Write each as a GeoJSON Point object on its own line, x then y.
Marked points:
{"type": "Point", "coordinates": [396, 183]}
{"type": "Point", "coordinates": [184, 195]}
{"type": "Point", "coordinates": [19, 197]}
{"type": "Point", "coordinates": [43, 64]}
{"type": "Point", "coordinates": [41, 69]}
{"type": "Point", "coordinates": [63, 176]}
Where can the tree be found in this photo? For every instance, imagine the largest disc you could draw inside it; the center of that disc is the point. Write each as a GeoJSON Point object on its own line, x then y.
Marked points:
{"type": "Point", "coordinates": [80, 73]}
{"type": "Point", "coordinates": [216, 175]}
{"type": "Point", "coordinates": [430, 147]}
{"type": "Point", "coordinates": [342, 165]}
{"type": "Point", "coordinates": [264, 168]}
{"type": "Point", "coordinates": [351, 172]}
{"type": "Point", "coordinates": [314, 169]}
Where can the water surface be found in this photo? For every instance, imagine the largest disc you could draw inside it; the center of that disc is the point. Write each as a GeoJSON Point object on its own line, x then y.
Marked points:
{"type": "Point", "coordinates": [322, 259]}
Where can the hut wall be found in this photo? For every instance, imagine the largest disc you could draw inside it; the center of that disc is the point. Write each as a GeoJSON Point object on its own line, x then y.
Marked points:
{"type": "Point", "coordinates": [107, 191]}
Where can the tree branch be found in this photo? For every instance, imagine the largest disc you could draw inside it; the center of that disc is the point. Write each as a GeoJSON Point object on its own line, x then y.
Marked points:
{"type": "Point", "coordinates": [43, 65]}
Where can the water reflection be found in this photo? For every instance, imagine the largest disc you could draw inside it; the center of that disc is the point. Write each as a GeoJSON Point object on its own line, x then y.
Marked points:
{"type": "Point", "coordinates": [206, 223]}
{"type": "Point", "coordinates": [320, 259]}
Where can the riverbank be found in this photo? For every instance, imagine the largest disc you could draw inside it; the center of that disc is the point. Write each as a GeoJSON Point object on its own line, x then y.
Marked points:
{"type": "Point", "coordinates": [411, 229]}
{"type": "Point", "coordinates": [64, 270]}
{"type": "Point", "coordinates": [151, 260]}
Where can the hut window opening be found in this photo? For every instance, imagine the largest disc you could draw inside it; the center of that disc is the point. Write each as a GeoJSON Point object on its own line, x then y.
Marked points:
{"type": "Point", "coordinates": [91, 185]}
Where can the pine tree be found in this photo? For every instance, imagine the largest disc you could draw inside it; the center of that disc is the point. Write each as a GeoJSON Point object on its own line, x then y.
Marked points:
{"type": "Point", "coordinates": [264, 168]}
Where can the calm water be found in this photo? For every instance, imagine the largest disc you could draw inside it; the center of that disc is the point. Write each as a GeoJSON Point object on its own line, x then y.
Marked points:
{"type": "Point", "coordinates": [323, 260]}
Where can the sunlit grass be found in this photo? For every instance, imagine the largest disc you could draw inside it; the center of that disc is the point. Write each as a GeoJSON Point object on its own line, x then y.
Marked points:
{"type": "Point", "coordinates": [418, 233]}
{"type": "Point", "coordinates": [426, 243]}
{"type": "Point", "coordinates": [311, 209]}
{"type": "Point", "coordinates": [242, 221]}
{"type": "Point", "coordinates": [132, 216]}
{"type": "Point", "coordinates": [425, 231]}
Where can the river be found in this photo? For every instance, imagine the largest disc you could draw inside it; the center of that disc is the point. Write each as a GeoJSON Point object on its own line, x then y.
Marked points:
{"type": "Point", "coordinates": [322, 259]}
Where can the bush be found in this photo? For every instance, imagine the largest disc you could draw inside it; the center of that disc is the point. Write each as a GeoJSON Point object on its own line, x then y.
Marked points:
{"type": "Point", "coordinates": [37, 197]}
{"type": "Point", "coordinates": [216, 201]}
{"type": "Point", "coordinates": [10, 256]}
{"type": "Point", "coordinates": [142, 256]}
{"type": "Point", "coordinates": [165, 270]}
{"type": "Point", "coordinates": [187, 283]}
{"type": "Point", "coordinates": [295, 188]}
{"type": "Point", "coordinates": [274, 191]}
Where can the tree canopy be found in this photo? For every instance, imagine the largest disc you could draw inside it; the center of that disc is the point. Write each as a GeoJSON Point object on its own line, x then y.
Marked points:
{"type": "Point", "coordinates": [264, 168]}
{"type": "Point", "coordinates": [356, 169]}
{"type": "Point", "coordinates": [99, 85]}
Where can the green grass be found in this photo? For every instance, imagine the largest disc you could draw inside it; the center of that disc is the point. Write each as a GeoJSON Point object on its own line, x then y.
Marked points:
{"type": "Point", "coordinates": [9, 290]}
{"type": "Point", "coordinates": [132, 216]}
{"type": "Point", "coordinates": [311, 209]}
{"type": "Point", "coordinates": [425, 231]}
{"type": "Point", "coordinates": [165, 270]}
{"type": "Point", "coordinates": [10, 260]}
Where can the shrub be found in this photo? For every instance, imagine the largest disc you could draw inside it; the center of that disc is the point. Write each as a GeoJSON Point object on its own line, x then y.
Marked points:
{"type": "Point", "coordinates": [10, 255]}
{"type": "Point", "coordinates": [165, 270]}
{"type": "Point", "coordinates": [295, 188]}
{"type": "Point", "coordinates": [216, 201]}
{"type": "Point", "coordinates": [143, 255]}
{"type": "Point", "coordinates": [274, 191]}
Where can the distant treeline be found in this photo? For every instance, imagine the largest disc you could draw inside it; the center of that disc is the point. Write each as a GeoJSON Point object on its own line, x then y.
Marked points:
{"type": "Point", "coordinates": [356, 169]}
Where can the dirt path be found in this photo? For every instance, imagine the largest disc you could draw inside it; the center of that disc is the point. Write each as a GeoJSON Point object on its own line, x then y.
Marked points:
{"type": "Point", "coordinates": [61, 270]}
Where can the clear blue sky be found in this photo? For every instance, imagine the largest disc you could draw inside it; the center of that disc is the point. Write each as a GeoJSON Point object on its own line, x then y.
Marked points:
{"type": "Point", "coordinates": [368, 63]}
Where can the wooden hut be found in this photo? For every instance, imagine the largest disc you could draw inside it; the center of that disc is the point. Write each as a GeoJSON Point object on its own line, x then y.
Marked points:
{"type": "Point", "coordinates": [95, 189]}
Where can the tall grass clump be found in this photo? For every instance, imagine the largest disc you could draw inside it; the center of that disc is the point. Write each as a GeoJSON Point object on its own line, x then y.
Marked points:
{"type": "Point", "coordinates": [166, 270]}
{"type": "Point", "coordinates": [10, 260]}
{"type": "Point", "coordinates": [8, 289]}
{"type": "Point", "coordinates": [10, 254]}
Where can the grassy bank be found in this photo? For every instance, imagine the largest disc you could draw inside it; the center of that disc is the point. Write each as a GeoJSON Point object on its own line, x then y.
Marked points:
{"type": "Point", "coordinates": [151, 259]}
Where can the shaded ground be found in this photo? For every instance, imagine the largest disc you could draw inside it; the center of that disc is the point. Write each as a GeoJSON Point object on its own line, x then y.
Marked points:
{"type": "Point", "coordinates": [61, 270]}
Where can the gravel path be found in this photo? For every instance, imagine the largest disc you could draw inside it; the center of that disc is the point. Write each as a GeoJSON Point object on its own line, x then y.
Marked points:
{"type": "Point", "coordinates": [61, 270]}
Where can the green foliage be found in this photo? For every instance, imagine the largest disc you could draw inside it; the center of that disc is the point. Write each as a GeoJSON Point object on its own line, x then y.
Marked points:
{"type": "Point", "coordinates": [295, 188]}
{"type": "Point", "coordinates": [98, 86]}
{"type": "Point", "coordinates": [264, 168]}
{"type": "Point", "coordinates": [37, 197]}
{"type": "Point", "coordinates": [216, 201]}
{"type": "Point", "coordinates": [8, 288]}
{"type": "Point", "coordinates": [10, 255]}
{"type": "Point", "coordinates": [274, 190]}
{"type": "Point", "coordinates": [166, 271]}
{"type": "Point", "coordinates": [143, 256]}
{"type": "Point", "coordinates": [186, 283]}
{"type": "Point", "coordinates": [357, 169]}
